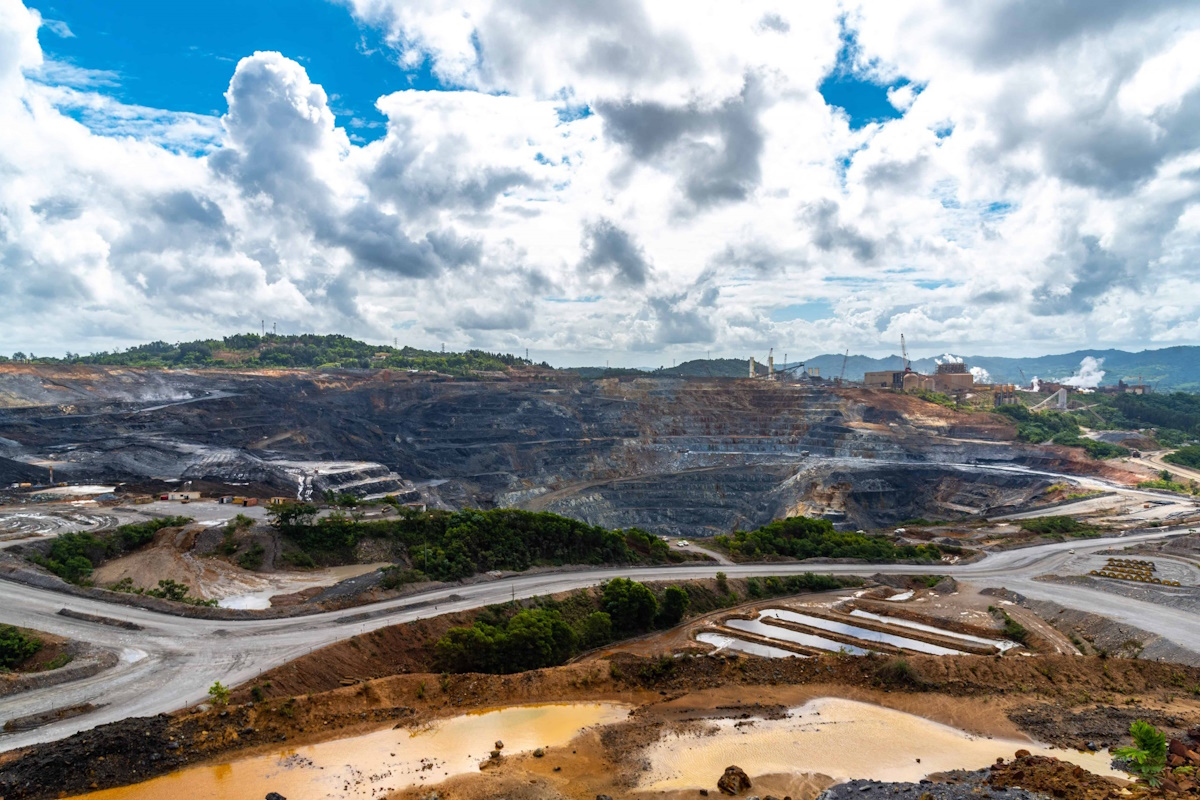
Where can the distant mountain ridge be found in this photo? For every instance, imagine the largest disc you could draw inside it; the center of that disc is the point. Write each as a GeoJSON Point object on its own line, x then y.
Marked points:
{"type": "Point", "coordinates": [1171, 368]}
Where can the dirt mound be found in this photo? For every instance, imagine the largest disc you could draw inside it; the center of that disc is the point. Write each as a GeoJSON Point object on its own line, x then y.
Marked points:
{"type": "Point", "coordinates": [1056, 778]}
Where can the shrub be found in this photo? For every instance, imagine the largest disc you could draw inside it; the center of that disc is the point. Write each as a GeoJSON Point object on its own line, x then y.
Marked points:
{"type": "Point", "coordinates": [252, 559]}
{"type": "Point", "coordinates": [218, 694]}
{"type": "Point", "coordinates": [1147, 757]}
{"type": "Point", "coordinates": [595, 630]}
{"type": "Point", "coordinates": [16, 646]}
{"type": "Point", "coordinates": [898, 672]}
{"type": "Point", "coordinates": [803, 537]}
{"type": "Point", "coordinates": [674, 606]}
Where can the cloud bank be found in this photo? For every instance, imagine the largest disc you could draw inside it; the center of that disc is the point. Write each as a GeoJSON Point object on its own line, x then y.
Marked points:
{"type": "Point", "coordinates": [606, 181]}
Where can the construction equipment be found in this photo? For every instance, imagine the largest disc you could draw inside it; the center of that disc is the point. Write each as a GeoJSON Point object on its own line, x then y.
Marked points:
{"type": "Point", "coordinates": [904, 353]}
{"type": "Point", "coordinates": [845, 359]}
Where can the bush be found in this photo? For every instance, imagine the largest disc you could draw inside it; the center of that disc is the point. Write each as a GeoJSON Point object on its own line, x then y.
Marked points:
{"type": "Point", "coordinates": [1147, 757]}
{"type": "Point", "coordinates": [16, 646]}
{"type": "Point", "coordinates": [595, 630]}
{"type": "Point", "coordinates": [252, 559]}
{"type": "Point", "coordinates": [631, 605]}
{"type": "Point", "coordinates": [674, 606]}
{"type": "Point", "coordinates": [898, 672]}
{"type": "Point", "coordinates": [1067, 526]}
{"type": "Point", "coordinates": [218, 694]}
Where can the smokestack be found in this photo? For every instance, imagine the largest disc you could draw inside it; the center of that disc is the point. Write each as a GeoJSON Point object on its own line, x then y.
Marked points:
{"type": "Point", "coordinates": [771, 364]}
{"type": "Point", "coordinates": [751, 366]}
{"type": "Point", "coordinates": [52, 475]}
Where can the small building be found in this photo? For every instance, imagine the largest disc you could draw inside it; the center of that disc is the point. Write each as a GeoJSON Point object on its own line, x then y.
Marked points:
{"type": "Point", "coordinates": [245, 501]}
{"type": "Point", "coordinates": [189, 496]}
{"type": "Point", "coordinates": [280, 501]}
{"type": "Point", "coordinates": [886, 379]}
{"type": "Point", "coordinates": [225, 500]}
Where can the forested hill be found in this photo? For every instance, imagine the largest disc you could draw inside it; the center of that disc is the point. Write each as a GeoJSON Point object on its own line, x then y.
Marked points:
{"type": "Point", "coordinates": [305, 351]}
{"type": "Point", "coordinates": [1172, 368]}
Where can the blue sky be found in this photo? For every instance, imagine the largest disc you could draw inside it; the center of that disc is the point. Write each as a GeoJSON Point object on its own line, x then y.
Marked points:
{"type": "Point", "coordinates": [179, 55]}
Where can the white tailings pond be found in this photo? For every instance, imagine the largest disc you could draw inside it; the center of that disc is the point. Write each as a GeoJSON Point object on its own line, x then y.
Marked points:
{"type": "Point", "coordinates": [373, 765]}
{"type": "Point", "coordinates": [843, 739]}
{"type": "Point", "coordinates": [864, 636]}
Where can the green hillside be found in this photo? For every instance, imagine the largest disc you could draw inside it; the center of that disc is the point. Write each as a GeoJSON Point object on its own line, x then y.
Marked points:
{"type": "Point", "coordinates": [278, 351]}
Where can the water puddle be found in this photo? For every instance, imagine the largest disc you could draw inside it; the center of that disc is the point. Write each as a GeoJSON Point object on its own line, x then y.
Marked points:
{"type": "Point", "coordinates": [1000, 644]}
{"type": "Point", "coordinates": [843, 739]}
{"type": "Point", "coordinates": [859, 633]}
{"type": "Point", "coordinates": [795, 637]}
{"type": "Point", "coordinates": [900, 598]}
{"type": "Point", "coordinates": [290, 584]}
{"type": "Point", "coordinates": [376, 764]}
{"type": "Point", "coordinates": [724, 642]}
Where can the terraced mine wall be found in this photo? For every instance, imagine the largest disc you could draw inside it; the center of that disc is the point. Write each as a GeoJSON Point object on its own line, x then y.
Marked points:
{"type": "Point", "coordinates": [673, 455]}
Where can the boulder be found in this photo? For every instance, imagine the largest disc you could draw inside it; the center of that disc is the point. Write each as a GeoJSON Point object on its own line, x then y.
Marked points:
{"type": "Point", "coordinates": [275, 796]}
{"type": "Point", "coordinates": [734, 781]}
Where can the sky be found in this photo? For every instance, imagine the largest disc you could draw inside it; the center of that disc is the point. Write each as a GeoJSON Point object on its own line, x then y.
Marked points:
{"type": "Point", "coordinates": [629, 182]}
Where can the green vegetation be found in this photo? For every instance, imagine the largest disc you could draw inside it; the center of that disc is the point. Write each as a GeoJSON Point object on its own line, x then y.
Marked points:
{"type": "Point", "coordinates": [16, 646]}
{"type": "Point", "coordinates": [1059, 525]}
{"type": "Point", "coordinates": [167, 590]}
{"type": "Point", "coordinates": [897, 672]}
{"type": "Point", "coordinates": [447, 546]}
{"type": "Point", "coordinates": [1168, 485]}
{"type": "Point", "coordinates": [218, 694]}
{"type": "Point", "coordinates": [252, 559]}
{"type": "Point", "coordinates": [73, 556]}
{"type": "Point", "coordinates": [802, 537]}
{"type": "Point", "coordinates": [305, 350]}
{"type": "Point", "coordinates": [1058, 427]}
{"type": "Point", "coordinates": [1185, 457]}
{"type": "Point", "coordinates": [1146, 758]}
{"type": "Point", "coordinates": [512, 638]}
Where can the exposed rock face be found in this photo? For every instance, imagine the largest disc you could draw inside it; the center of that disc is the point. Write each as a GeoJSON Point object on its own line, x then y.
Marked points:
{"type": "Point", "coordinates": [734, 781]}
{"type": "Point", "coordinates": [676, 456]}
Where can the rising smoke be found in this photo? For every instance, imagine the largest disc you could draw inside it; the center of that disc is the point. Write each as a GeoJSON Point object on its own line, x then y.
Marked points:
{"type": "Point", "coordinates": [981, 374]}
{"type": "Point", "coordinates": [1088, 376]}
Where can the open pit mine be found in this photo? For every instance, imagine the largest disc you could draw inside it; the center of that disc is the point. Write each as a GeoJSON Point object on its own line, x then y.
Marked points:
{"type": "Point", "coordinates": [680, 457]}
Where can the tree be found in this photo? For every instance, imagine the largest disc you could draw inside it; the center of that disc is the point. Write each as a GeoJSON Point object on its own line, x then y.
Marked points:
{"type": "Point", "coordinates": [1147, 758]}
{"type": "Point", "coordinates": [1165, 475]}
{"type": "Point", "coordinates": [674, 606]}
{"type": "Point", "coordinates": [538, 638]}
{"type": "Point", "coordinates": [631, 605]}
{"type": "Point", "coordinates": [218, 694]}
{"type": "Point", "coordinates": [595, 630]}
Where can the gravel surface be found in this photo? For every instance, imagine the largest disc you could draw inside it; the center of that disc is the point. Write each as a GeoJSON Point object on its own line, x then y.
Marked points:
{"type": "Point", "coordinates": [926, 790]}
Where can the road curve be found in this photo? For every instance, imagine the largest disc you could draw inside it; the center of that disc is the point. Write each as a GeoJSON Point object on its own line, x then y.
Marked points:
{"type": "Point", "coordinates": [172, 661]}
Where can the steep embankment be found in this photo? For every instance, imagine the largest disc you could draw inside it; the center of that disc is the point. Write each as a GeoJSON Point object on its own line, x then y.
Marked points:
{"type": "Point", "coordinates": [683, 456]}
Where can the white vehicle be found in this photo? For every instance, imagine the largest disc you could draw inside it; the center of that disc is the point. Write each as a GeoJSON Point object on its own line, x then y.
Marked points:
{"type": "Point", "coordinates": [682, 543]}
{"type": "Point", "coordinates": [900, 530]}
{"type": "Point", "coordinates": [1072, 552]}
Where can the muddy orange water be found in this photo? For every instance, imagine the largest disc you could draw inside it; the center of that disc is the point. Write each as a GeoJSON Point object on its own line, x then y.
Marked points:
{"type": "Point", "coordinates": [372, 765]}
{"type": "Point", "coordinates": [843, 739]}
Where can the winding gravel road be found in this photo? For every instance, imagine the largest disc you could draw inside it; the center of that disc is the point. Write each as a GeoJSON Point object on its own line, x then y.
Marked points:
{"type": "Point", "coordinates": [172, 661]}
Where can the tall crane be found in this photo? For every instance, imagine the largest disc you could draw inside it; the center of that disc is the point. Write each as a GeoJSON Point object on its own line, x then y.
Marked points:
{"type": "Point", "coordinates": [904, 352]}
{"type": "Point", "coordinates": [845, 358]}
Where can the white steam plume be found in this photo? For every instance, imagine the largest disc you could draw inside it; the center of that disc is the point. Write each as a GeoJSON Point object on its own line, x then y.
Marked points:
{"type": "Point", "coordinates": [981, 375]}
{"type": "Point", "coordinates": [1088, 376]}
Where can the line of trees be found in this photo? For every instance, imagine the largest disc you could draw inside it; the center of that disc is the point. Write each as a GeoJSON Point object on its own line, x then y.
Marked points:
{"type": "Point", "coordinates": [304, 350]}
{"type": "Point", "coordinates": [449, 546]}
{"type": "Point", "coordinates": [803, 537]}
{"type": "Point", "coordinates": [544, 637]}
